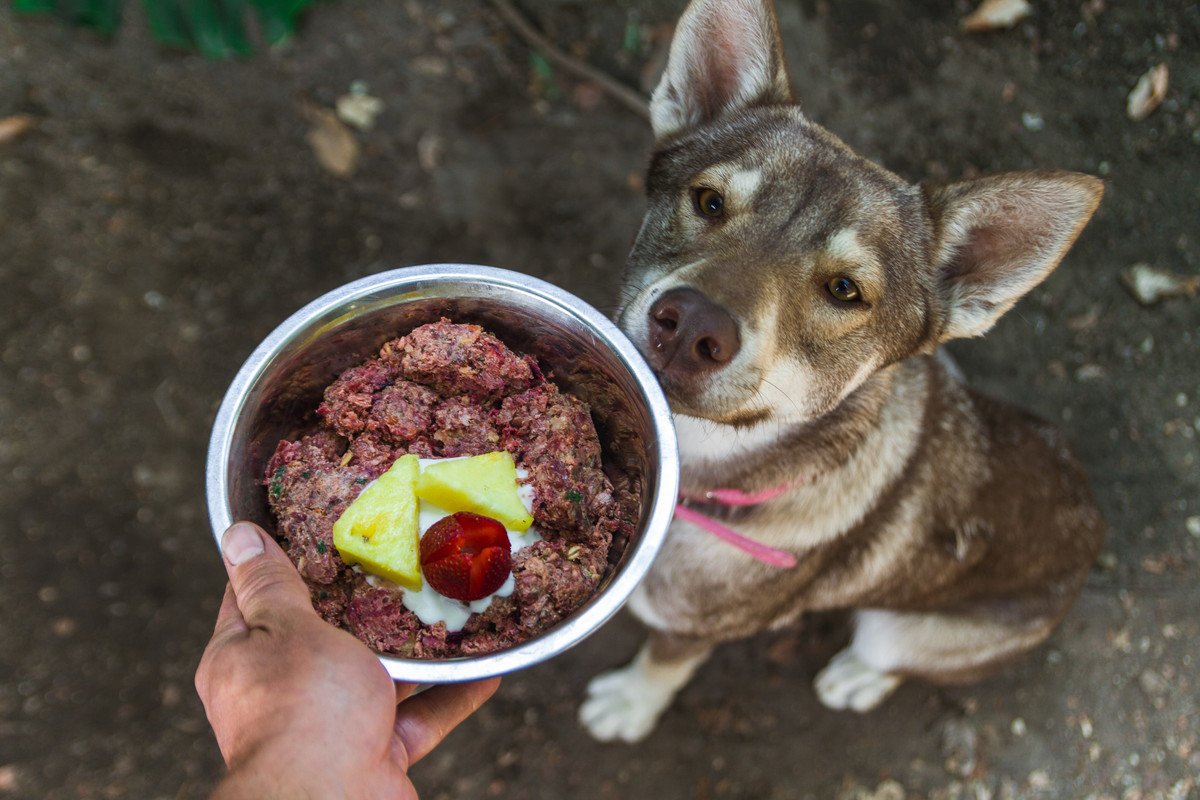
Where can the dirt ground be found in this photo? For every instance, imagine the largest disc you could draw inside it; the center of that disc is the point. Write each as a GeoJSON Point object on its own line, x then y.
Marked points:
{"type": "Point", "coordinates": [168, 212]}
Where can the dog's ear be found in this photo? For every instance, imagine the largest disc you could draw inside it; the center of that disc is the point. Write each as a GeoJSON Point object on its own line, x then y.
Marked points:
{"type": "Point", "coordinates": [726, 55]}
{"type": "Point", "coordinates": [997, 237]}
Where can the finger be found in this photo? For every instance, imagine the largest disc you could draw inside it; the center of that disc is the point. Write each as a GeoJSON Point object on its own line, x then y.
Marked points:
{"type": "Point", "coordinates": [425, 720]}
{"type": "Point", "coordinates": [405, 691]}
{"type": "Point", "coordinates": [264, 580]}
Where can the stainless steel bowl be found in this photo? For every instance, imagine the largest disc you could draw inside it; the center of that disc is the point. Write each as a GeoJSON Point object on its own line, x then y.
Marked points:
{"type": "Point", "coordinates": [278, 388]}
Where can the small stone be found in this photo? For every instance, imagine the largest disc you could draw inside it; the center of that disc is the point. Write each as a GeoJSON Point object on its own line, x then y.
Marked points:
{"type": "Point", "coordinates": [888, 790]}
{"type": "Point", "coordinates": [1181, 400]}
{"type": "Point", "coordinates": [1089, 372]}
{"type": "Point", "coordinates": [359, 110]}
{"type": "Point", "coordinates": [430, 66]}
{"type": "Point", "coordinates": [1153, 684]}
{"type": "Point", "coordinates": [8, 778]}
{"type": "Point", "coordinates": [1033, 121]}
{"type": "Point", "coordinates": [1039, 780]}
{"type": "Point", "coordinates": [430, 149]}
{"type": "Point", "coordinates": [959, 747]}
{"type": "Point", "coordinates": [64, 627]}
{"type": "Point", "coordinates": [171, 695]}
{"type": "Point", "coordinates": [1193, 526]}
{"type": "Point", "coordinates": [1085, 727]}
{"type": "Point", "coordinates": [1018, 727]}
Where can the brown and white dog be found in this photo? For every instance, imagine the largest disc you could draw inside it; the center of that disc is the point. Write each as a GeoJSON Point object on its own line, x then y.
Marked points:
{"type": "Point", "coordinates": [792, 296]}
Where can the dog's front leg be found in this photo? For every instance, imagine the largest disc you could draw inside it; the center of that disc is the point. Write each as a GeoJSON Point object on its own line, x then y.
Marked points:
{"type": "Point", "coordinates": [626, 703]}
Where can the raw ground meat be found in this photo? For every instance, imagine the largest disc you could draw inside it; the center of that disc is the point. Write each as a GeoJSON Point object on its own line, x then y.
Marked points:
{"type": "Point", "coordinates": [446, 390]}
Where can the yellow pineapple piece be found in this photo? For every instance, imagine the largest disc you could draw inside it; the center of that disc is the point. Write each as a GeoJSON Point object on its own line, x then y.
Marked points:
{"type": "Point", "coordinates": [485, 484]}
{"type": "Point", "coordinates": [379, 530]}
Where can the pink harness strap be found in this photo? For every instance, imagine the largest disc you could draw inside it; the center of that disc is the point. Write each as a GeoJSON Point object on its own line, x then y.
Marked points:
{"type": "Point", "coordinates": [735, 497]}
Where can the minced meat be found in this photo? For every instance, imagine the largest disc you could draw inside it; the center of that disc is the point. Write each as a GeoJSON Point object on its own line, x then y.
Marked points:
{"type": "Point", "coordinates": [447, 390]}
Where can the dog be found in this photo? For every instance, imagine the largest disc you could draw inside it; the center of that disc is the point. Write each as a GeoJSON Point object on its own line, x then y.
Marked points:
{"type": "Point", "coordinates": [792, 297]}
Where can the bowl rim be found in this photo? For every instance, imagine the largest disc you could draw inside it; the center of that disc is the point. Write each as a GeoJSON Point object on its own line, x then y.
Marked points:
{"type": "Point", "coordinates": [563, 635]}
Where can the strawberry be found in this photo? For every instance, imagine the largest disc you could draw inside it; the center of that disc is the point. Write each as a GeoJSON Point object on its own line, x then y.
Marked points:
{"type": "Point", "coordinates": [466, 556]}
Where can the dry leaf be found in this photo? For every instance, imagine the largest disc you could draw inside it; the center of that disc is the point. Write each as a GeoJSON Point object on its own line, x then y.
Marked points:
{"type": "Point", "coordinates": [1148, 94]}
{"type": "Point", "coordinates": [16, 126]}
{"type": "Point", "coordinates": [1148, 284]}
{"type": "Point", "coordinates": [995, 14]}
{"type": "Point", "coordinates": [332, 142]}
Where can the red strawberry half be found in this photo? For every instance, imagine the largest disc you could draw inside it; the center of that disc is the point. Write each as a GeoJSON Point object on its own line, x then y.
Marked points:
{"type": "Point", "coordinates": [466, 556]}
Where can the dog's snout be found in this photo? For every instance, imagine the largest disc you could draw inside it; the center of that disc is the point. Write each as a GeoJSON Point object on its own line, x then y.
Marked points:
{"type": "Point", "coordinates": [691, 334]}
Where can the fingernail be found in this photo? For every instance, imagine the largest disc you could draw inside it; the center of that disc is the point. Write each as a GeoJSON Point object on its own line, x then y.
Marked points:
{"type": "Point", "coordinates": [241, 543]}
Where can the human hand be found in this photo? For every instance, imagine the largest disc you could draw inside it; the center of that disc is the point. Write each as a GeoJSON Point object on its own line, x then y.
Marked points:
{"type": "Point", "coordinates": [300, 708]}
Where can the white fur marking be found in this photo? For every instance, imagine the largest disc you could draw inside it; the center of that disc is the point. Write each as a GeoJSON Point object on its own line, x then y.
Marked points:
{"type": "Point", "coordinates": [872, 468]}
{"type": "Point", "coordinates": [844, 246]}
{"type": "Point", "coordinates": [888, 640]}
{"type": "Point", "coordinates": [848, 683]}
{"type": "Point", "coordinates": [743, 185]}
{"type": "Point", "coordinates": [626, 703]}
{"type": "Point", "coordinates": [738, 184]}
{"type": "Point", "coordinates": [702, 440]}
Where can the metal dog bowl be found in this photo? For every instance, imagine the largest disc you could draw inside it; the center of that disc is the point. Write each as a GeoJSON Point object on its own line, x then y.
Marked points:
{"type": "Point", "coordinates": [281, 383]}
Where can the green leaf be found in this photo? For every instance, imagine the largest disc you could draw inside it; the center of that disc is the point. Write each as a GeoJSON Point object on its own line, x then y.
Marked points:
{"type": "Point", "coordinates": [278, 17]}
{"type": "Point", "coordinates": [217, 28]}
{"type": "Point", "coordinates": [167, 23]}
{"type": "Point", "coordinates": [102, 15]}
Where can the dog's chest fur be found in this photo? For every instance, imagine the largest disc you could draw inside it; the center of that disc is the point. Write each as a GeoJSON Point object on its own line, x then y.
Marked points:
{"type": "Point", "coordinates": [885, 514]}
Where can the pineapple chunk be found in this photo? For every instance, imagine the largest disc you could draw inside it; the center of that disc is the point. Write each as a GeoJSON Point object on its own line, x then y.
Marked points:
{"type": "Point", "coordinates": [485, 484]}
{"type": "Point", "coordinates": [379, 530]}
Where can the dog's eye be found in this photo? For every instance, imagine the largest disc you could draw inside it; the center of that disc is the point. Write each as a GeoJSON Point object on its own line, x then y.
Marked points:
{"type": "Point", "coordinates": [709, 202]}
{"type": "Point", "coordinates": [844, 289]}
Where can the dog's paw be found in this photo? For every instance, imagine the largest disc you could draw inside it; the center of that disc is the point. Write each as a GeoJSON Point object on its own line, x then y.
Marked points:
{"type": "Point", "coordinates": [623, 704]}
{"type": "Point", "coordinates": [848, 683]}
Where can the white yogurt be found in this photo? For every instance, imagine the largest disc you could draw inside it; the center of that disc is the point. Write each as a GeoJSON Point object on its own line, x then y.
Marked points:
{"type": "Point", "coordinates": [432, 607]}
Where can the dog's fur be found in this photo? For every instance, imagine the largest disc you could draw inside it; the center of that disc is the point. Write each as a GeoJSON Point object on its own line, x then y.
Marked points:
{"type": "Point", "coordinates": [959, 529]}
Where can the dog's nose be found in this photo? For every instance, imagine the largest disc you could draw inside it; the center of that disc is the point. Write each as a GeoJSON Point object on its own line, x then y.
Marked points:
{"type": "Point", "coordinates": [690, 334]}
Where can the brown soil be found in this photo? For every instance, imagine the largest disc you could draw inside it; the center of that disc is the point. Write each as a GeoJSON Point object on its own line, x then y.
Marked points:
{"type": "Point", "coordinates": [168, 212]}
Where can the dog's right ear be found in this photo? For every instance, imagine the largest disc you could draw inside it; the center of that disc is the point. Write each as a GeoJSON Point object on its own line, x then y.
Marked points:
{"type": "Point", "coordinates": [997, 237]}
{"type": "Point", "coordinates": [726, 55]}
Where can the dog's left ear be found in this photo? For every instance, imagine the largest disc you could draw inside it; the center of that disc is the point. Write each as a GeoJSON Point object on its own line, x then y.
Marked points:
{"type": "Point", "coordinates": [997, 237]}
{"type": "Point", "coordinates": [726, 55]}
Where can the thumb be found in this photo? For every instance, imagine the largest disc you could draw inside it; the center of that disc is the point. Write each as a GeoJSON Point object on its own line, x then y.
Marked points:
{"type": "Point", "coordinates": [264, 580]}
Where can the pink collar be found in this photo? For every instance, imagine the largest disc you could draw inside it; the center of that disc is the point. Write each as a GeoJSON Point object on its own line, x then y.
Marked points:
{"type": "Point", "coordinates": [738, 498]}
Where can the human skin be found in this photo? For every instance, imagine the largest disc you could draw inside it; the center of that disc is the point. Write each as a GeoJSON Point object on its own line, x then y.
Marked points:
{"type": "Point", "coordinates": [301, 709]}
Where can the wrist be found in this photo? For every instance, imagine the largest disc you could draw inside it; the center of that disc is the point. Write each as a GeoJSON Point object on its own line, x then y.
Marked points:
{"type": "Point", "coordinates": [276, 776]}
